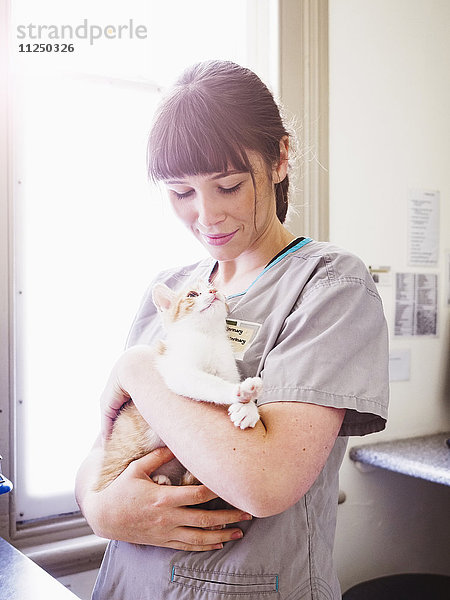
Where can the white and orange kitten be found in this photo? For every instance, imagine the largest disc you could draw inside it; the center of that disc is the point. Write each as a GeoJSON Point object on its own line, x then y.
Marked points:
{"type": "Point", "coordinates": [195, 360]}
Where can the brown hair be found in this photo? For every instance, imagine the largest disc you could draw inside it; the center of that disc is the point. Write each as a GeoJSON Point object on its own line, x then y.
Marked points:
{"type": "Point", "coordinates": [215, 113]}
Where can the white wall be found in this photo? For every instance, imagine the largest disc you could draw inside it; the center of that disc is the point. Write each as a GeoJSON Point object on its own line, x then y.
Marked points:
{"type": "Point", "coordinates": [390, 132]}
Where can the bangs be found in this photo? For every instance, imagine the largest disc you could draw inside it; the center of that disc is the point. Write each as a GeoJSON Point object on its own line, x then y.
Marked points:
{"type": "Point", "coordinates": [188, 138]}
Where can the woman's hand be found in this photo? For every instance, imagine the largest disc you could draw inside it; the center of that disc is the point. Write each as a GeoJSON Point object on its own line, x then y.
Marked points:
{"type": "Point", "coordinates": [135, 509]}
{"type": "Point", "coordinates": [114, 395]}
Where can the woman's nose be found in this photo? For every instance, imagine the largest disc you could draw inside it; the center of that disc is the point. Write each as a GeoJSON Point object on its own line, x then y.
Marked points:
{"type": "Point", "coordinates": [208, 212]}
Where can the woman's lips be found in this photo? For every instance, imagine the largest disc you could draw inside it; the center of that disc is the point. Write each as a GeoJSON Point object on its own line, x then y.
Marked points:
{"type": "Point", "coordinates": [218, 239]}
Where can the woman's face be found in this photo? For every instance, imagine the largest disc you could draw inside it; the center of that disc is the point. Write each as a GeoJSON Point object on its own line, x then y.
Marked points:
{"type": "Point", "coordinates": [224, 211]}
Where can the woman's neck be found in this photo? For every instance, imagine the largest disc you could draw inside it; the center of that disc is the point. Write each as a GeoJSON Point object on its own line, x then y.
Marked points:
{"type": "Point", "coordinates": [234, 276]}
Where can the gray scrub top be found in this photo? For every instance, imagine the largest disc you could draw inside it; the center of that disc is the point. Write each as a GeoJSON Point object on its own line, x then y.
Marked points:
{"type": "Point", "coordinates": [312, 326]}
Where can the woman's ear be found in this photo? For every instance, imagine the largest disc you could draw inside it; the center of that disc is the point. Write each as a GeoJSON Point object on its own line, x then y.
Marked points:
{"type": "Point", "coordinates": [280, 171]}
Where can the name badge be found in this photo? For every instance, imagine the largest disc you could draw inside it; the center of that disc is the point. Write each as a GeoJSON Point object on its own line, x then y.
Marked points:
{"type": "Point", "coordinates": [241, 335]}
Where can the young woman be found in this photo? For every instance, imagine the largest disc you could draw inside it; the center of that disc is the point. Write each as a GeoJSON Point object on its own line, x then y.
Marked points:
{"type": "Point", "coordinates": [319, 342]}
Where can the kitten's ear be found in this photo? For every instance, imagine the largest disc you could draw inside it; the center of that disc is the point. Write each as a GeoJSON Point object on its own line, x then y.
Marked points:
{"type": "Point", "coordinates": [162, 296]}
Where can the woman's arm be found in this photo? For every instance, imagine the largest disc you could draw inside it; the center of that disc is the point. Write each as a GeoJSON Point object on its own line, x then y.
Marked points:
{"type": "Point", "coordinates": [135, 509]}
{"type": "Point", "coordinates": [263, 470]}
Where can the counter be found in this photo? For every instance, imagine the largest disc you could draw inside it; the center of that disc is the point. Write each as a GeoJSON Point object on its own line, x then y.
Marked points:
{"type": "Point", "coordinates": [426, 457]}
{"type": "Point", "coordinates": [22, 579]}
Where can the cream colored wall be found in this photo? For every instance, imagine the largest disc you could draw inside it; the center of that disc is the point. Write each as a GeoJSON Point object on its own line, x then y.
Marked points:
{"type": "Point", "coordinates": [390, 132]}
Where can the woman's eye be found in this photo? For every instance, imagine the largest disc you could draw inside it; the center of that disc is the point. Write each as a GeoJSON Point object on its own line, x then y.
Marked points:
{"type": "Point", "coordinates": [231, 190]}
{"type": "Point", "coordinates": [181, 195]}
{"type": "Point", "coordinates": [192, 294]}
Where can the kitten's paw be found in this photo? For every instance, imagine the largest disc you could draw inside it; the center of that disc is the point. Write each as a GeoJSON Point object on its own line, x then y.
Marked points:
{"type": "Point", "coordinates": [249, 389]}
{"type": "Point", "coordinates": [161, 480]}
{"type": "Point", "coordinates": [189, 479]}
{"type": "Point", "coordinates": [244, 415]}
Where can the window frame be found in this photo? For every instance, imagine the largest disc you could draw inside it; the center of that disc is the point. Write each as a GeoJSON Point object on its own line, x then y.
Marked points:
{"type": "Point", "coordinates": [302, 62]}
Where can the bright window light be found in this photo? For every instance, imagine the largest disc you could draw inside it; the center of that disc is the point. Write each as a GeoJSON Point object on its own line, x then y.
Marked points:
{"type": "Point", "coordinates": [90, 231]}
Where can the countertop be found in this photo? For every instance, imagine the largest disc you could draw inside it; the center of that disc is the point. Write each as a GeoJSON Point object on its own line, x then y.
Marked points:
{"type": "Point", "coordinates": [426, 457]}
{"type": "Point", "coordinates": [22, 579]}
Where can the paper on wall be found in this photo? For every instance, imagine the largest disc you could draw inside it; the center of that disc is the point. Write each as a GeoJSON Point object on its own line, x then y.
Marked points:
{"type": "Point", "coordinates": [399, 365]}
{"type": "Point", "coordinates": [423, 227]}
{"type": "Point", "coordinates": [416, 304]}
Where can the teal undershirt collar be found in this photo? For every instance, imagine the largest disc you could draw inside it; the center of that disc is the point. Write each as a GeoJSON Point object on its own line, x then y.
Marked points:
{"type": "Point", "coordinates": [292, 247]}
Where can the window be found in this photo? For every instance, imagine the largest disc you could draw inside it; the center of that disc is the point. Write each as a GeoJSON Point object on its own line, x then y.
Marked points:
{"type": "Point", "coordinates": [88, 234]}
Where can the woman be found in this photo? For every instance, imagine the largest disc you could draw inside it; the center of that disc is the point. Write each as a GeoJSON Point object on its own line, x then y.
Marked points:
{"type": "Point", "coordinates": [316, 334]}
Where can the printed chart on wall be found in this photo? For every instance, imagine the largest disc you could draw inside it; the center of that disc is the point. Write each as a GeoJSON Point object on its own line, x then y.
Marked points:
{"type": "Point", "coordinates": [423, 227]}
{"type": "Point", "coordinates": [416, 309]}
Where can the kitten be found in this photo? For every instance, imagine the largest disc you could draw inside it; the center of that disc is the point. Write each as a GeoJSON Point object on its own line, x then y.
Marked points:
{"type": "Point", "coordinates": [195, 360]}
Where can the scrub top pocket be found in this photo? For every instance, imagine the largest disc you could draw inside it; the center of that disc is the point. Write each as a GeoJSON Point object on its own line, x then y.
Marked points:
{"type": "Point", "coordinates": [208, 585]}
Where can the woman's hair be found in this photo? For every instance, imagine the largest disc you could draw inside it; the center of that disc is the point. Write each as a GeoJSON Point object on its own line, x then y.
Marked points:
{"type": "Point", "coordinates": [214, 115]}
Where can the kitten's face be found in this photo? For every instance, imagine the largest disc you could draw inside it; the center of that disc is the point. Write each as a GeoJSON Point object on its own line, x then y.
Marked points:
{"type": "Point", "coordinates": [200, 302]}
